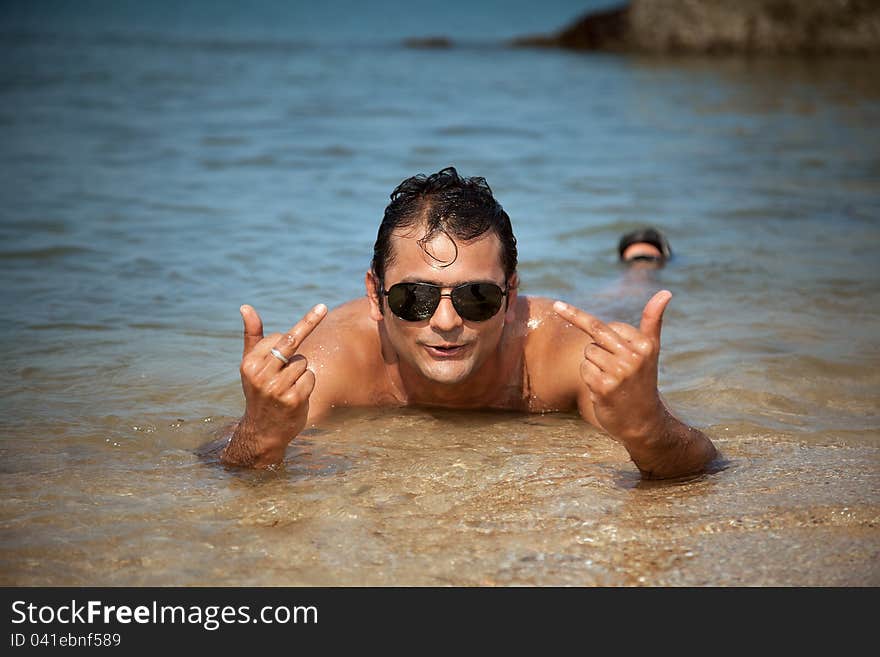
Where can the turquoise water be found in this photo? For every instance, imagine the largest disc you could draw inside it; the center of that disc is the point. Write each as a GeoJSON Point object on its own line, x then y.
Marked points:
{"type": "Point", "coordinates": [162, 166]}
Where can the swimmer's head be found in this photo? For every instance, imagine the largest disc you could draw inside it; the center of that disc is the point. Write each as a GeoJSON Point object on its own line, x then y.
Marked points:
{"type": "Point", "coordinates": [443, 204]}
{"type": "Point", "coordinates": [647, 247]}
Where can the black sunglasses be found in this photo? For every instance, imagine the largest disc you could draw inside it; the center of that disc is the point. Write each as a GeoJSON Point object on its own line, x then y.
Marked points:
{"type": "Point", "coordinates": [415, 302]}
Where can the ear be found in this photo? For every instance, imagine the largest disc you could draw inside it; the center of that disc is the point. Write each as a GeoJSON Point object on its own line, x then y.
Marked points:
{"type": "Point", "coordinates": [373, 294]}
{"type": "Point", "coordinates": [512, 287]}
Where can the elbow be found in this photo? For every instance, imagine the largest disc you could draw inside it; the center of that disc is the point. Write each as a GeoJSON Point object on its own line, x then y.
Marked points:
{"type": "Point", "coordinates": [693, 457]}
{"type": "Point", "coordinates": [244, 451]}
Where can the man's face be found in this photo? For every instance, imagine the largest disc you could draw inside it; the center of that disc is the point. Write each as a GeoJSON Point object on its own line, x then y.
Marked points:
{"type": "Point", "coordinates": [444, 348]}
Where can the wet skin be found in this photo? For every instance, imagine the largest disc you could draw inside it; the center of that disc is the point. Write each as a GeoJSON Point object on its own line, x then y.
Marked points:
{"type": "Point", "coordinates": [534, 355]}
{"type": "Point", "coordinates": [640, 249]}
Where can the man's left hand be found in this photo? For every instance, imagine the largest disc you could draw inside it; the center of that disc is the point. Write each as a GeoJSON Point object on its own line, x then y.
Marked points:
{"type": "Point", "coordinates": [619, 368]}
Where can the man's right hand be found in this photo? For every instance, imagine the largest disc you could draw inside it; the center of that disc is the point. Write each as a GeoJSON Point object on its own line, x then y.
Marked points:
{"type": "Point", "coordinates": [276, 393]}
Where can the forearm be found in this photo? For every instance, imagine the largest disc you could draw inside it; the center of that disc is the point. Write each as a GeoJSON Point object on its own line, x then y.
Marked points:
{"type": "Point", "coordinates": [249, 449]}
{"type": "Point", "coordinates": [670, 448]}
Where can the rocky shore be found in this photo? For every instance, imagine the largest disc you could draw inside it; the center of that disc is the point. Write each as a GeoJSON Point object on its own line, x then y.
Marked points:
{"type": "Point", "coordinates": [772, 27]}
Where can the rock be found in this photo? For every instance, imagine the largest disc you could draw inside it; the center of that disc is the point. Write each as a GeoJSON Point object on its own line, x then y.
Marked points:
{"type": "Point", "coordinates": [428, 42]}
{"type": "Point", "coordinates": [605, 30]}
{"type": "Point", "coordinates": [775, 27]}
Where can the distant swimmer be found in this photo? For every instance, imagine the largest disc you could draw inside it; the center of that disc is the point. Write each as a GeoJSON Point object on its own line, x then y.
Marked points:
{"type": "Point", "coordinates": [442, 324]}
{"type": "Point", "coordinates": [646, 246]}
{"type": "Point", "coordinates": [641, 253]}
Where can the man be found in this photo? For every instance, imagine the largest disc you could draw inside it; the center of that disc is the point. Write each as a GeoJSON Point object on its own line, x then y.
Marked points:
{"type": "Point", "coordinates": [442, 324]}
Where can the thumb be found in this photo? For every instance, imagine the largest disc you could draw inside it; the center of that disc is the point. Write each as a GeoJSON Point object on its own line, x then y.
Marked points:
{"type": "Point", "coordinates": [253, 328]}
{"type": "Point", "coordinates": [652, 315]}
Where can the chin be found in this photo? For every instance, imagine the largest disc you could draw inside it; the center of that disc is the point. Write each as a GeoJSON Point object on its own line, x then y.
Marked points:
{"type": "Point", "coordinates": [448, 373]}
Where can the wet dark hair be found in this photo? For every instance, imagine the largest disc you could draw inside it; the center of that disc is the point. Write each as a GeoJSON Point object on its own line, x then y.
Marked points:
{"type": "Point", "coordinates": [462, 208]}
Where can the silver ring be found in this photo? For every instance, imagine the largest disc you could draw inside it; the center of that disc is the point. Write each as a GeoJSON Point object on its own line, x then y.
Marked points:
{"type": "Point", "coordinates": [279, 356]}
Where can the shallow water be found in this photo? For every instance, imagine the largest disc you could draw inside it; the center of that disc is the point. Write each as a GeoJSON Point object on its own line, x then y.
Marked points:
{"type": "Point", "coordinates": [156, 178]}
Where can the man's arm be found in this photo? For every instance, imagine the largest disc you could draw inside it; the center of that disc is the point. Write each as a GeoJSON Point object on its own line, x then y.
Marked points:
{"type": "Point", "coordinates": [671, 449]}
{"type": "Point", "coordinates": [277, 385]}
{"type": "Point", "coordinates": [618, 392]}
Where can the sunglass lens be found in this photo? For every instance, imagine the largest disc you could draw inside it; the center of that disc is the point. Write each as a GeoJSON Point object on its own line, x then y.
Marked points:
{"type": "Point", "coordinates": [477, 302]}
{"type": "Point", "coordinates": [413, 302]}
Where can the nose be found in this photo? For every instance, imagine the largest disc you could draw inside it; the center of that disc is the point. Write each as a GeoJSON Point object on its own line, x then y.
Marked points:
{"type": "Point", "coordinates": [445, 318]}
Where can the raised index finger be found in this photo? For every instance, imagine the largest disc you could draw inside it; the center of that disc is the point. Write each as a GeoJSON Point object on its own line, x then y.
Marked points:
{"type": "Point", "coordinates": [289, 342]}
{"type": "Point", "coordinates": [602, 334]}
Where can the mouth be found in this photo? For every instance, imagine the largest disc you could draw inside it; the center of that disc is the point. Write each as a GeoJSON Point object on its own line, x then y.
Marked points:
{"type": "Point", "coordinates": [445, 350]}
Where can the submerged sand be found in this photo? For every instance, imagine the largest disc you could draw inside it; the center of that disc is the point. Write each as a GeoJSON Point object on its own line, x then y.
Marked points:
{"type": "Point", "coordinates": [423, 497]}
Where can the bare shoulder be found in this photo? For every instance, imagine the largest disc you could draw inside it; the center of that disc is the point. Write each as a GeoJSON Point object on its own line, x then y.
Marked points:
{"type": "Point", "coordinates": [547, 331]}
{"type": "Point", "coordinates": [345, 354]}
{"type": "Point", "coordinates": [553, 353]}
{"type": "Point", "coordinates": [345, 325]}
